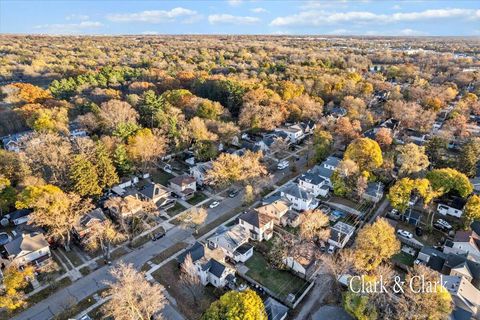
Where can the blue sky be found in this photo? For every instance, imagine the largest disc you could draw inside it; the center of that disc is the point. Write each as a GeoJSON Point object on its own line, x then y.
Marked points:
{"type": "Point", "coordinates": [334, 17]}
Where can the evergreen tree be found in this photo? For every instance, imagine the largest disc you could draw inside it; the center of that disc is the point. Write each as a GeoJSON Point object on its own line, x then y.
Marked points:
{"type": "Point", "coordinates": [122, 162]}
{"type": "Point", "coordinates": [84, 177]}
{"type": "Point", "coordinates": [107, 175]}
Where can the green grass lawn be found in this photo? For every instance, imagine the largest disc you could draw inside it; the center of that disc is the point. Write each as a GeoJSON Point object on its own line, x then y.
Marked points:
{"type": "Point", "coordinates": [73, 257]}
{"type": "Point", "coordinates": [404, 258]}
{"type": "Point", "coordinates": [176, 209]}
{"type": "Point", "coordinates": [197, 198]}
{"type": "Point", "coordinates": [162, 177]}
{"type": "Point", "coordinates": [279, 281]}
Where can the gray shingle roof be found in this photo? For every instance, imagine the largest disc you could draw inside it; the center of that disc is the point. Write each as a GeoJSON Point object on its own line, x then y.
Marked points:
{"type": "Point", "coordinates": [26, 242]}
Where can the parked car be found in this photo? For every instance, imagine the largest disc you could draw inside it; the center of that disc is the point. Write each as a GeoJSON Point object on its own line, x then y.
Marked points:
{"type": "Point", "coordinates": [4, 238]}
{"type": "Point", "coordinates": [158, 235]}
{"type": "Point", "coordinates": [214, 204]}
{"type": "Point", "coordinates": [331, 249]}
{"type": "Point", "coordinates": [233, 193]}
{"type": "Point", "coordinates": [283, 164]}
{"type": "Point", "coordinates": [442, 225]}
{"type": "Point", "coordinates": [405, 233]}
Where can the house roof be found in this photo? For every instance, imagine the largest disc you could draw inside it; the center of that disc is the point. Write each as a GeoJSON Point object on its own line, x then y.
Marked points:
{"type": "Point", "coordinates": [19, 213]}
{"type": "Point", "coordinates": [153, 190]}
{"type": "Point", "coordinates": [460, 287]}
{"type": "Point", "coordinates": [331, 161]}
{"type": "Point", "coordinates": [273, 208]}
{"type": "Point", "coordinates": [340, 231]}
{"type": "Point", "coordinates": [182, 180]}
{"type": "Point", "coordinates": [297, 192]}
{"type": "Point", "coordinates": [454, 260]}
{"type": "Point", "coordinates": [255, 218]}
{"type": "Point", "coordinates": [305, 253]}
{"type": "Point", "coordinates": [214, 267]}
{"type": "Point", "coordinates": [96, 214]}
{"type": "Point", "coordinates": [274, 309]}
{"type": "Point", "coordinates": [277, 196]}
{"type": "Point", "coordinates": [311, 178]}
{"type": "Point", "coordinates": [475, 226]}
{"type": "Point", "coordinates": [197, 252]}
{"type": "Point", "coordinates": [374, 189]}
{"type": "Point", "coordinates": [203, 166]}
{"type": "Point", "coordinates": [230, 239]}
{"type": "Point", "coordinates": [244, 248]}
{"type": "Point", "coordinates": [26, 242]}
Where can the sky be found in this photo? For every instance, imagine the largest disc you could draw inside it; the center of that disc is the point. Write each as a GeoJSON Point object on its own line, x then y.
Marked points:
{"type": "Point", "coordinates": [323, 17]}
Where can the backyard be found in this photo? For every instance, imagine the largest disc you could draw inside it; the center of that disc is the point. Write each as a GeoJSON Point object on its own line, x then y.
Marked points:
{"type": "Point", "coordinates": [280, 282]}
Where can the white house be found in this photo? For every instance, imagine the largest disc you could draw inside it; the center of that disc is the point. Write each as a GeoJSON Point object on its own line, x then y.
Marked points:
{"type": "Point", "coordinates": [154, 192]}
{"type": "Point", "coordinates": [15, 142]}
{"type": "Point", "coordinates": [340, 233]}
{"type": "Point", "coordinates": [28, 249]}
{"type": "Point", "coordinates": [199, 171]}
{"type": "Point", "coordinates": [233, 243]}
{"type": "Point", "coordinates": [294, 133]}
{"type": "Point", "coordinates": [300, 198]}
{"type": "Point", "coordinates": [258, 225]}
{"type": "Point", "coordinates": [326, 169]}
{"type": "Point", "coordinates": [465, 295]}
{"type": "Point", "coordinates": [314, 184]}
{"type": "Point", "coordinates": [183, 186]}
{"type": "Point", "coordinates": [465, 243]}
{"type": "Point", "coordinates": [374, 192]}
{"type": "Point", "coordinates": [452, 207]}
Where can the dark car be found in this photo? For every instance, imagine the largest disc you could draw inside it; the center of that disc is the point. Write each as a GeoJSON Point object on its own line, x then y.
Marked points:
{"type": "Point", "coordinates": [158, 235]}
{"type": "Point", "coordinates": [233, 193]}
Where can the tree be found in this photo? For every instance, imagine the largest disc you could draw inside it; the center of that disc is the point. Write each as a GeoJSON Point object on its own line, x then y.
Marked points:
{"type": "Point", "coordinates": [471, 211]}
{"type": "Point", "coordinates": [322, 144]}
{"type": "Point", "coordinates": [359, 306]}
{"type": "Point", "coordinates": [190, 279]}
{"type": "Point", "coordinates": [237, 305]}
{"type": "Point", "coordinates": [7, 194]}
{"type": "Point", "coordinates": [121, 160]}
{"type": "Point", "coordinates": [262, 109]}
{"type": "Point", "coordinates": [145, 148]}
{"type": "Point", "coordinates": [53, 209]}
{"type": "Point", "coordinates": [229, 168]}
{"type": "Point", "coordinates": [13, 166]}
{"type": "Point", "coordinates": [412, 159]}
{"type": "Point", "coordinates": [314, 226]}
{"type": "Point", "coordinates": [107, 175]}
{"type": "Point", "coordinates": [84, 177]}
{"type": "Point", "coordinates": [366, 153]}
{"type": "Point", "coordinates": [249, 195]}
{"type": "Point", "coordinates": [431, 305]}
{"type": "Point", "coordinates": [277, 253]}
{"type": "Point", "coordinates": [384, 137]}
{"type": "Point", "coordinates": [102, 236]}
{"type": "Point", "coordinates": [447, 179]}
{"type": "Point", "coordinates": [374, 244]}
{"type": "Point", "coordinates": [115, 112]}
{"type": "Point", "coordinates": [132, 297]}
{"type": "Point", "coordinates": [347, 129]}
{"type": "Point", "coordinates": [198, 216]}
{"type": "Point", "coordinates": [29, 93]}
{"type": "Point", "coordinates": [209, 110]}
{"type": "Point", "coordinates": [470, 154]}
{"type": "Point", "coordinates": [399, 194]}
{"type": "Point", "coordinates": [14, 280]}
{"type": "Point", "coordinates": [205, 150]}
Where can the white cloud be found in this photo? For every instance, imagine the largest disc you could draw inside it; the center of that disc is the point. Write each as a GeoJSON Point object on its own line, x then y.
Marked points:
{"type": "Point", "coordinates": [155, 16]}
{"type": "Point", "coordinates": [411, 32]}
{"type": "Point", "coordinates": [229, 19]}
{"type": "Point", "coordinates": [80, 17]}
{"type": "Point", "coordinates": [150, 33]}
{"type": "Point", "coordinates": [68, 28]}
{"type": "Point", "coordinates": [322, 17]}
{"type": "Point", "coordinates": [235, 2]}
{"type": "Point", "coordinates": [258, 10]}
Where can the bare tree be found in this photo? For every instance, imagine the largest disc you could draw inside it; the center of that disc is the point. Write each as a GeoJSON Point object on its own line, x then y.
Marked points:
{"type": "Point", "coordinates": [190, 280]}
{"type": "Point", "coordinates": [133, 297]}
{"type": "Point", "coordinates": [102, 236]}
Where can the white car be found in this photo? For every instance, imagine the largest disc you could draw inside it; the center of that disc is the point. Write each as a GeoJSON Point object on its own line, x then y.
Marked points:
{"type": "Point", "coordinates": [331, 249]}
{"type": "Point", "coordinates": [282, 165]}
{"type": "Point", "coordinates": [214, 204]}
{"type": "Point", "coordinates": [405, 234]}
{"type": "Point", "coordinates": [443, 225]}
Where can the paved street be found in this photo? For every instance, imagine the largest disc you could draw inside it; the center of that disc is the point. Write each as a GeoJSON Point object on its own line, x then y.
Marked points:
{"type": "Point", "coordinates": [86, 286]}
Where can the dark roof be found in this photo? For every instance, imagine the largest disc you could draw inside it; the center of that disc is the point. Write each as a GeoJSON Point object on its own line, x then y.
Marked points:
{"type": "Point", "coordinates": [19, 213]}
{"type": "Point", "coordinates": [214, 267]}
{"type": "Point", "coordinates": [197, 251]}
{"type": "Point", "coordinates": [244, 248]}
{"type": "Point", "coordinates": [255, 218]}
{"type": "Point", "coordinates": [272, 198]}
{"type": "Point", "coordinates": [312, 178]}
{"type": "Point", "coordinates": [96, 214]}
{"type": "Point", "coordinates": [476, 227]}
{"type": "Point", "coordinates": [461, 314]}
{"type": "Point", "coordinates": [26, 242]}
{"type": "Point", "coordinates": [182, 180]}
{"type": "Point", "coordinates": [454, 260]}
{"type": "Point", "coordinates": [274, 309]}
{"type": "Point", "coordinates": [454, 202]}
{"type": "Point", "coordinates": [151, 190]}
{"type": "Point", "coordinates": [297, 192]}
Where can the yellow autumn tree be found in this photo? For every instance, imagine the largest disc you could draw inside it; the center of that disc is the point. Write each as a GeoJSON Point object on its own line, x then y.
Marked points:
{"type": "Point", "coordinates": [375, 243]}
{"type": "Point", "coordinates": [366, 153]}
{"type": "Point", "coordinates": [235, 305]}
{"type": "Point", "coordinates": [14, 280]}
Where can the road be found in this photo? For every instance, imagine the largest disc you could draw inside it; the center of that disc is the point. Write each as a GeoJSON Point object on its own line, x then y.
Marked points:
{"type": "Point", "coordinates": [88, 285]}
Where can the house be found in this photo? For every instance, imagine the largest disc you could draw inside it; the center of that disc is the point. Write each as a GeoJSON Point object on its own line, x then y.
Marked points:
{"type": "Point", "coordinates": [338, 112]}
{"type": "Point", "coordinates": [465, 243]}
{"type": "Point", "coordinates": [465, 296]}
{"type": "Point", "coordinates": [184, 186]}
{"type": "Point", "coordinates": [452, 206]}
{"type": "Point", "coordinates": [28, 249]}
{"type": "Point", "coordinates": [19, 216]}
{"type": "Point", "coordinates": [412, 217]}
{"type": "Point", "coordinates": [294, 133]}
{"type": "Point", "coordinates": [373, 192]}
{"type": "Point", "coordinates": [276, 210]}
{"type": "Point", "coordinates": [209, 267]}
{"type": "Point", "coordinates": [432, 258]}
{"type": "Point", "coordinates": [476, 184]}
{"type": "Point", "coordinates": [340, 233]}
{"type": "Point", "coordinates": [233, 242]}
{"type": "Point", "coordinates": [15, 142]}
{"type": "Point", "coordinates": [199, 171]}
{"type": "Point", "coordinates": [300, 198]}
{"type": "Point", "coordinates": [314, 184]}
{"type": "Point", "coordinates": [258, 225]}
{"type": "Point", "coordinates": [87, 223]}
{"type": "Point", "coordinates": [303, 259]}
{"type": "Point", "coordinates": [275, 310]}
{"type": "Point", "coordinates": [308, 127]}
{"type": "Point", "coordinates": [154, 192]}
{"type": "Point", "coordinates": [416, 137]}
{"type": "Point", "coordinates": [326, 169]}
{"type": "Point", "coordinates": [124, 207]}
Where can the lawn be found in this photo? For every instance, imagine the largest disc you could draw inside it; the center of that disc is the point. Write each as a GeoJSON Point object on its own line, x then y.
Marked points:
{"type": "Point", "coordinates": [176, 209]}
{"type": "Point", "coordinates": [168, 276]}
{"type": "Point", "coordinates": [73, 257]}
{"type": "Point", "coordinates": [140, 241]}
{"type": "Point", "coordinates": [169, 252]}
{"type": "Point", "coordinates": [162, 177]}
{"type": "Point", "coordinates": [278, 281]}
{"type": "Point", "coordinates": [403, 258]}
{"type": "Point", "coordinates": [43, 294]}
{"type": "Point", "coordinates": [197, 198]}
